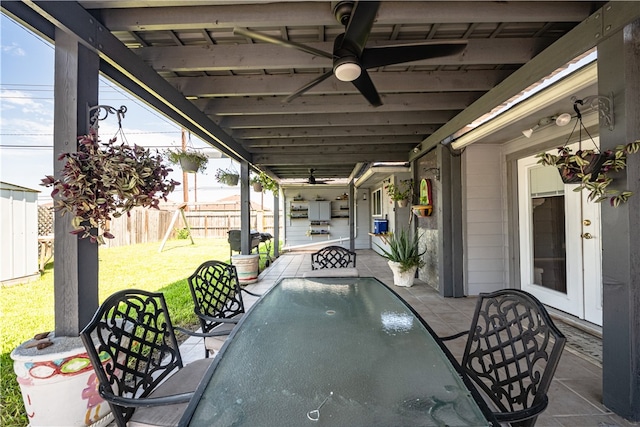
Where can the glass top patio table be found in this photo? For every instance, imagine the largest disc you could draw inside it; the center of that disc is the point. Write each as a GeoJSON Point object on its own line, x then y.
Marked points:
{"type": "Point", "coordinates": [334, 352]}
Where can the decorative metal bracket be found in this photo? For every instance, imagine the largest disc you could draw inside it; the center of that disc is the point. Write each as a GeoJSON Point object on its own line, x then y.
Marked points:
{"type": "Point", "coordinates": [100, 112]}
{"type": "Point", "coordinates": [604, 104]}
{"type": "Point", "coordinates": [437, 171]}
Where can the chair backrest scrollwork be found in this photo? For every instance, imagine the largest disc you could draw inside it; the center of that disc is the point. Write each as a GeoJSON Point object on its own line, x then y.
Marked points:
{"type": "Point", "coordinates": [333, 257]}
{"type": "Point", "coordinates": [132, 346]}
{"type": "Point", "coordinates": [512, 352]}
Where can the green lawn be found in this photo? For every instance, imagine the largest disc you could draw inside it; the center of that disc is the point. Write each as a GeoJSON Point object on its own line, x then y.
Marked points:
{"type": "Point", "coordinates": [28, 309]}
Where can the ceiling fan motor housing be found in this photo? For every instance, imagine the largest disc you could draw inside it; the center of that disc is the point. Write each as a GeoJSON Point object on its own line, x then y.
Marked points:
{"type": "Point", "coordinates": [342, 11]}
{"type": "Point", "coordinates": [346, 65]}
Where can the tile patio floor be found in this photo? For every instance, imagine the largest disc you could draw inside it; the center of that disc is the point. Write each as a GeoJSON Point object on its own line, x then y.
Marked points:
{"type": "Point", "coordinates": [576, 391]}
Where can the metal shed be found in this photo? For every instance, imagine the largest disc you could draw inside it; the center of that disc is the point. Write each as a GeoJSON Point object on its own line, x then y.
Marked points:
{"type": "Point", "coordinates": [18, 234]}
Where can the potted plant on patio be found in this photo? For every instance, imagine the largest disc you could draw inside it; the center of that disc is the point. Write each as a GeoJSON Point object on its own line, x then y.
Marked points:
{"type": "Point", "coordinates": [228, 177]}
{"type": "Point", "coordinates": [190, 160]}
{"type": "Point", "coordinates": [401, 192]}
{"type": "Point", "coordinates": [263, 182]}
{"type": "Point", "coordinates": [404, 257]}
{"type": "Point", "coordinates": [106, 180]}
{"type": "Point", "coordinates": [592, 169]}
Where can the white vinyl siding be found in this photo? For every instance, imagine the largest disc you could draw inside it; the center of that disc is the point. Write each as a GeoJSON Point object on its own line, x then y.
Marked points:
{"type": "Point", "coordinates": [484, 243]}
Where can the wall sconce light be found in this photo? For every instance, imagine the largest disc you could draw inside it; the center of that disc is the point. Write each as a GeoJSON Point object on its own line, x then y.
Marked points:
{"type": "Point", "coordinates": [364, 195]}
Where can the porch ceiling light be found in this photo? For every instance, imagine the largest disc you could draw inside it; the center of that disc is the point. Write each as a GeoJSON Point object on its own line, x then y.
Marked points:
{"type": "Point", "coordinates": [528, 132]}
{"type": "Point", "coordinates": [560, 120]}
{"type": "Point", "coordinates": [563, 119]}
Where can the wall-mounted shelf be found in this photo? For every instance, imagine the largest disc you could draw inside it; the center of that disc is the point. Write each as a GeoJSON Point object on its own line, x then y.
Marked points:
{"type": "Point", "coordinates": [319, 228]}
{"type": "Point", "coordinates": [299, 209]}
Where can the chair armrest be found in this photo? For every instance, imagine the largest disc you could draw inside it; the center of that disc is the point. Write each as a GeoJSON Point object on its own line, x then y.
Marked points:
{"type": "Point", "coordinates": [218, 319]}
{"type": "Point", "coordinates": [145, 401]}
{"type": "Point", "coordinates": [251, 293]}
{"type": "Point", "coordinates": [523, 414]}
{"type": "Point", "coordinates": [201, 334]}
{"type": "Point", "coordinates": [454, 336]}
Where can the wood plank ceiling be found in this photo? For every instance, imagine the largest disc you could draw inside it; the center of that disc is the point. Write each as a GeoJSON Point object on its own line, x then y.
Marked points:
{"type": "Point", "coordinates": [240, 83]}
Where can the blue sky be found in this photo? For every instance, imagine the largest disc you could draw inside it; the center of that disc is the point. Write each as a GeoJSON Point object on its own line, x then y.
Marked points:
{"type": "Point", "coordinates": [26, 118]}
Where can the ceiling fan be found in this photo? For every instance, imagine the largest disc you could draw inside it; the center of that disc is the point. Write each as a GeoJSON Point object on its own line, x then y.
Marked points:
{"type": "Point", "coordinates": [313, 180]}
{"type": "Point", "coordinates": [351, 59]}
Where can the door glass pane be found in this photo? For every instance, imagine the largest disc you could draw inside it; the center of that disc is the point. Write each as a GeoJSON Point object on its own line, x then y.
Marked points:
{"type": "Point", "coordinates": [549, 245]}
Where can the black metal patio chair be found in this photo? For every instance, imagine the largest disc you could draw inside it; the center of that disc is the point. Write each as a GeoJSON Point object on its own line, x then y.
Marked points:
{"type": "Point", "coordinates": [511, 354]}
{"type": "Point", "coordinates": [134, 351]}
{"type": "Point", "coordinates": [218, 303]}
{"type": "Point", "coordinates": [333, 257]}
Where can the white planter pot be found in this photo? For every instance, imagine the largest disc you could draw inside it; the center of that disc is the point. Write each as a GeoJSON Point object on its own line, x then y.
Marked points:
{"type": "Point", "coordinates": [58, 384]}
{"type": "Point", "coordinates": [402, 278]}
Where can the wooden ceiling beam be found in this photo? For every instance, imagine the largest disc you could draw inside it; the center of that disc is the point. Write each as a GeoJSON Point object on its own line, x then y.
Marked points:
{"type": "Point", "coordinates": [333, 131]}
{"type": "Point", "coordinates": [319, 13]}
{"type": "Point", "coordinates": [336, 119]}
{"type": "Point", "coordinates": [214, 58]}
{"type": "Point", "coordinates": [310, 104]}
{"type": "Point", "coordinates": [252, 144]}
{"type": "Point", "coordinates": [329, 159]}
{"type": "Point", "coordinates": [386, 82]}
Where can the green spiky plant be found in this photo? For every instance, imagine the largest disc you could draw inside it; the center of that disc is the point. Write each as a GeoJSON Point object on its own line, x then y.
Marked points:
{"type": "Point", "coordinates": [404, 249]}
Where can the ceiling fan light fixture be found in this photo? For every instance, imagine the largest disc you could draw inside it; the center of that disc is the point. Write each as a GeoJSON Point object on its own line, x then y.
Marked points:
{"type": "Point", "coordinates": [347, 71]}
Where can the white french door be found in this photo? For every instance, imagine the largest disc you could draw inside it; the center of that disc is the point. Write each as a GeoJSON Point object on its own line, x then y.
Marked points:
{"type": "Point", "coordinates": [560, 245]}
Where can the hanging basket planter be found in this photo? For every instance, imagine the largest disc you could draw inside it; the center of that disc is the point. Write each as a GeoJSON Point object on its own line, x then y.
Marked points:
{"type": "Point", "coordinates": [422, 210]}
{"type": "Point", "coordinates": [228, 177]}
{"type": "Point", "coordinates": [572, 172]}
{"type": "Point", "coordinates": [189, 165]}
{"type": "Point", "coordinates": [257, 187]}
{"type": "Point", "coordinates": [190, 160]}
{"type": "Point", "coordinates": [590, 168]}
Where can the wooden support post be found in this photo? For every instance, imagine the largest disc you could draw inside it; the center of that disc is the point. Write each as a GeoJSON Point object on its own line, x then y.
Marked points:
{"type": "Point", "coordinates": [76, 261]}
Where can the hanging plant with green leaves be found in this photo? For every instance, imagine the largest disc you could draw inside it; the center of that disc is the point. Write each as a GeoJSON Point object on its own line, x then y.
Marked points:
{"type": "Point", "coordinates": [401, 191]}
{"type": "Point", "coordinates": [266, 183]}
{"type": "Point", "coordinates": [227, 176]}
{"type": "Point", "coordinates": [592, 170]}
{"type": "Point", "coordinates": [103, 181]}
{"type": "Point", "coordinates": [189, 159]}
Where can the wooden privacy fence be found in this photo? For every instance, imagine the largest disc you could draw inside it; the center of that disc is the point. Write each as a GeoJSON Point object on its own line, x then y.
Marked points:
{"type": "Point", "coordinates": [150, 225]}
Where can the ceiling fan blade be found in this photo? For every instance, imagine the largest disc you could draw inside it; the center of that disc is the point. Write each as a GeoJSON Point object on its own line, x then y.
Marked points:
{"type": "Point", "coordinates": [308, 86]}
{"type": "Point", "coordinates": [280, 42]}
{"type": "Point", "coordinates": [359, 26]}
{"type": "Point", "coordinates": [373, 57]}
{"type": "Point", "coordinates": [368, 90]}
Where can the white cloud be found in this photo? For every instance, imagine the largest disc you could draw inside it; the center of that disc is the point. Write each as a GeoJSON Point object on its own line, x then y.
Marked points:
{"type": "Point", "coordinates": [13, 50]}
{"type": "Point", "coordinates": [13, 100]}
